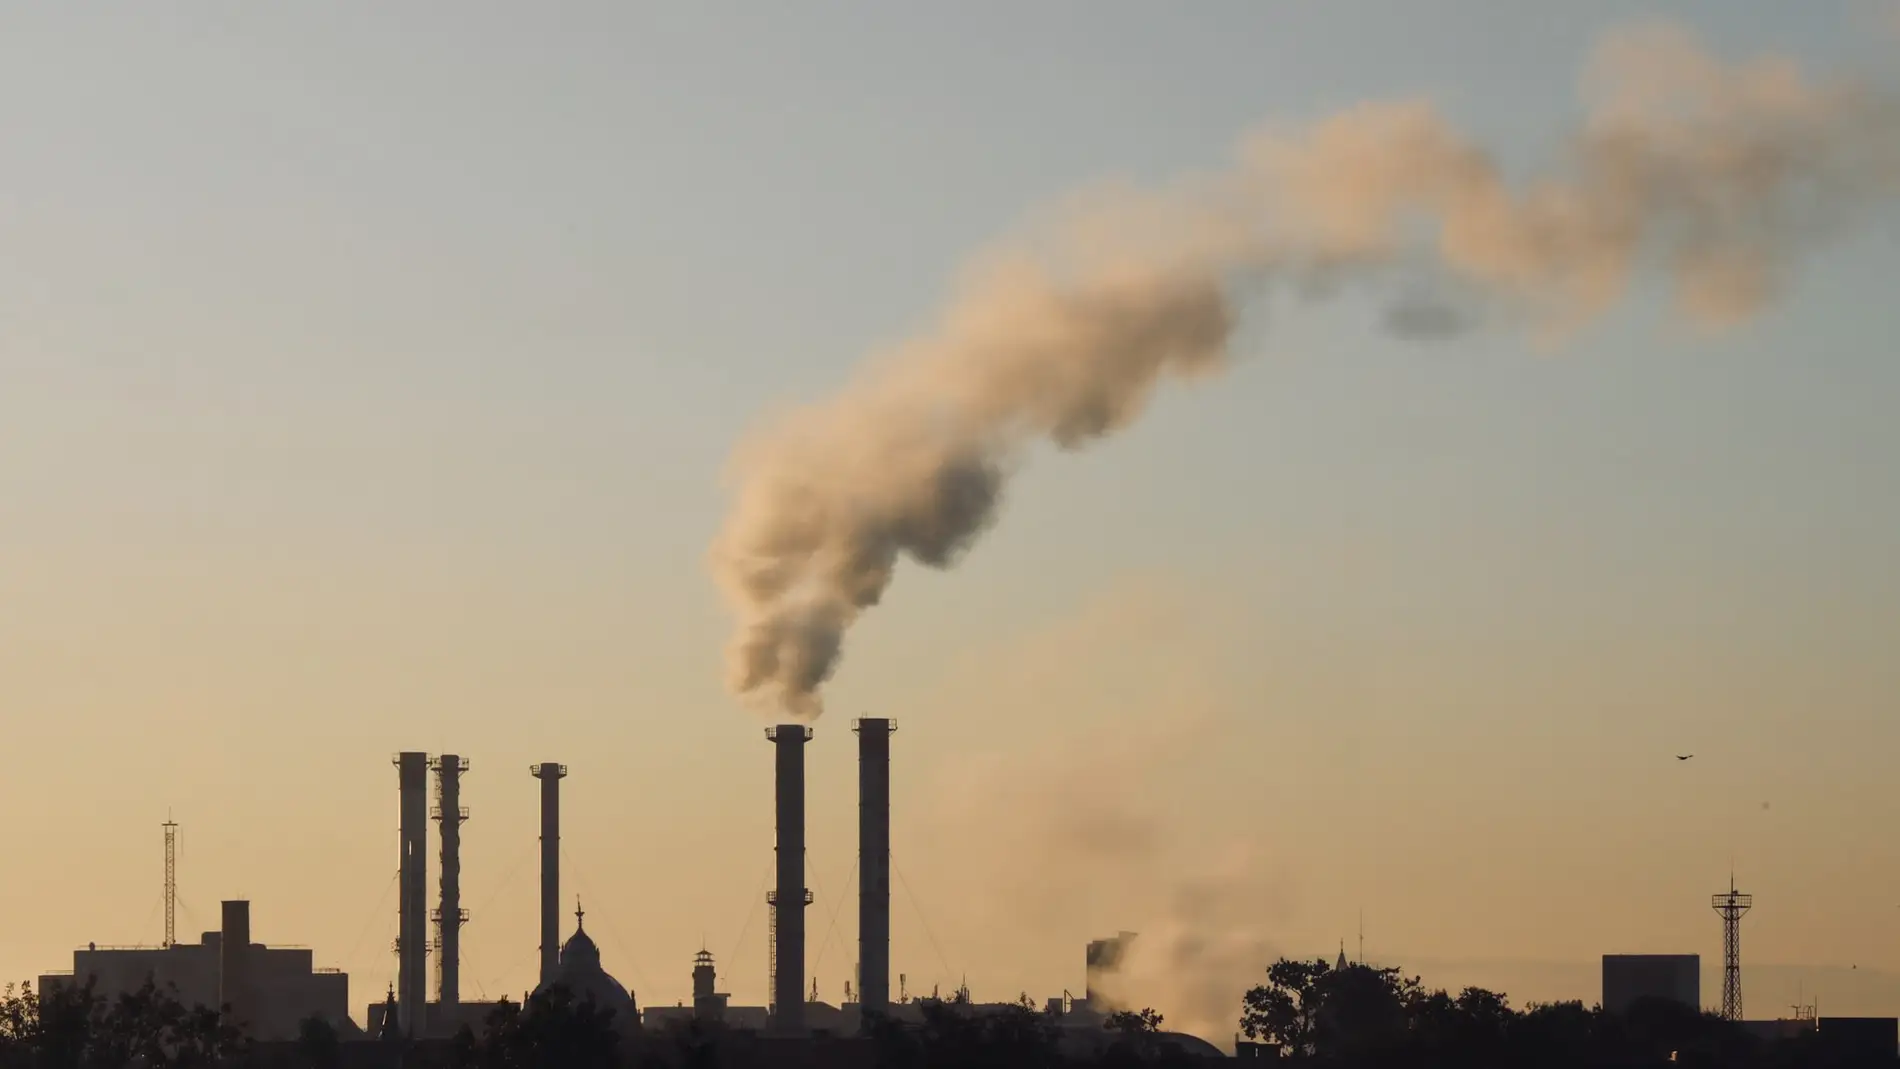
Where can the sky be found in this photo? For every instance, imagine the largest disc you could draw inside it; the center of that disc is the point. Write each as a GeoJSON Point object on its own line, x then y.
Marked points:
{"type": "Point", "coordinates": [368, 378]}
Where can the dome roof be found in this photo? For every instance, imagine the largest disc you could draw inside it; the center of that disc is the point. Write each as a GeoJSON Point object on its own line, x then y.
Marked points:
{"type": "Point", "coordinates": [580, 972]}
{"type": "Point", "coordinates": [1192, 1045]}
{"type": "Point", "coordinates": [580, 951]}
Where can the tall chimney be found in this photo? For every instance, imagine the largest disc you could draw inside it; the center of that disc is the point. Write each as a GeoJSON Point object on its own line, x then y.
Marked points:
{"type": "Point", "coordinates": [450, 916]}
{"type": "Point", "coordinates": [791, 897]}
{"type": "Point", "coordinates": [550, 775]}
{"type": "Point", "coordinates": [234, 966]}
{"type": "Point", "coordinates": [412, 945]}
{"type": "Point", "coordinates": [874, 865]}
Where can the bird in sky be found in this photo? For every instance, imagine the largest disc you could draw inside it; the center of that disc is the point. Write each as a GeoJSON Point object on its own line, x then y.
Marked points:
{"type": "Point", "coordinates": [1684, 756]}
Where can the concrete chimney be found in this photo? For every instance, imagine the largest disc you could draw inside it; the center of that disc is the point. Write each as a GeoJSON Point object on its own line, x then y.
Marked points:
{"type": "Point", "coordinates": [234, 966]}
{"type": "Point", "coordinates": [550, 775]}
{"type": "Point", "coordinates": [874, 865]}
{"type": "Point", "coordinates": [412, 979]}
{"type": "Point", "coordinates": [450, 916]}
{"type": "Point", "coordinates": [790, 898]}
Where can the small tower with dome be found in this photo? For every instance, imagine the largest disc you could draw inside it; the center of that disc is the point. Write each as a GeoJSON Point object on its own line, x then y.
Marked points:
{"type": "Point", "coordinates": [709, 1003]}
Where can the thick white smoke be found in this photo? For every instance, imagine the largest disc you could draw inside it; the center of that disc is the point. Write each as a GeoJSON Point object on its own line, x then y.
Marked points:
{"type": "Point", "coordinates": [1717, 175]}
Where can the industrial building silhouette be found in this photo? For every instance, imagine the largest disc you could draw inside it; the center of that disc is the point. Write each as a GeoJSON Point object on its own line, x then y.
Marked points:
{"type": "Point", "coordinates": [270, 991]}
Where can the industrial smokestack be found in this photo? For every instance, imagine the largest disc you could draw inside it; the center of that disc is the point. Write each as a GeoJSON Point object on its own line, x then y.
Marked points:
{"type": "Point", "coordinates": [550, 774]}
{"type": "Point", "coordinates": [450, 916]}
{"type": "Point", "coordinates": [234, 966]}
{"type": "Point", "coordinates": [412, 941]}
{"type": "Point", "coordinates": [791, 897]}
{"type": "Point", "coordinates": [874, 865]}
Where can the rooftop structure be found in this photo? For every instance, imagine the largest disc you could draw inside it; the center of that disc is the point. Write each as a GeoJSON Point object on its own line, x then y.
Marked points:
{"type": "Point", "coordinates": [273, 989]}
{"type": "Point", "coordinates": [1632, 978]}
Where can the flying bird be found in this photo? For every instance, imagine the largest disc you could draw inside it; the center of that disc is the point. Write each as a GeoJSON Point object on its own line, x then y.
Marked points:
{"type": "Point", "coordinates": [1684, 756]}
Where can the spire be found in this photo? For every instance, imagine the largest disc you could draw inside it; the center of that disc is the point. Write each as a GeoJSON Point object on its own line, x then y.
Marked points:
{"type": "Point", "coordinates": [1342, 956]}
{"type": "Point", "coordinates": [391, 1032]}
{"type": "Point", "coordinates": [579, 913]}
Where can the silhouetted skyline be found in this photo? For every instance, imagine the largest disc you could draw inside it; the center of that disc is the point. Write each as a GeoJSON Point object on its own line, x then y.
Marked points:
{"type": "Point", "coordinates": [368, 380]}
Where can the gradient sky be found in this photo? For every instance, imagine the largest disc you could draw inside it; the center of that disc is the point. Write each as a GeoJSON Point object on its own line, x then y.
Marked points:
{"type": "Point", "coordinates": [366, 376]}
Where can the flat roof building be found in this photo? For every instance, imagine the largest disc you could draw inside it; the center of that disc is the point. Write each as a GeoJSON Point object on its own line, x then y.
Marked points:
{"type": "Point", "coordinates": [1630, 978]}
{"type": "Point", "coordinates": [282, 986]}
{"type": "Point", "coordinates": [1859, 1040]}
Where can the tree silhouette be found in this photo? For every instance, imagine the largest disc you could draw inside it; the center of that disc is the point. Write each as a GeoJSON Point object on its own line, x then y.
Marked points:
{"type": "Point", "coordinates": [1369, 1017]}
{"type": "Point", "coordinates": [317, 1043]}
{"type": "Point", "coordinates": [1130, 1022]}
{"type": "Point", "coordinates": [1285, 1010]}
{"type": "Point", "coordinates": [73, 1026]}
{"type": "Point", "coordinates": [552, 1030]}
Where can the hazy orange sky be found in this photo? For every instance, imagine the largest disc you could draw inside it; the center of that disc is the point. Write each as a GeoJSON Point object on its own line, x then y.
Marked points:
{"type": "Point", "coordinates": [366, 381]}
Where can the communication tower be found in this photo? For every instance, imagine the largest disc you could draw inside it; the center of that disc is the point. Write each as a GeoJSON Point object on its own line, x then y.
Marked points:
{"type": "Point", "coordinates": [171, 881]}
{"type": "Point", "coordinates": [1731, 906]}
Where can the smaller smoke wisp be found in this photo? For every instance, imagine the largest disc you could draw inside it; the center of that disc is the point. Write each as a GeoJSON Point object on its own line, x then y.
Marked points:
{"type": "Point", "coordinates": [1717, 176]}
{"type": "Point", "coordinates": [1076, 840]}
{"type": "Point", "coordinates": [1209, 942]}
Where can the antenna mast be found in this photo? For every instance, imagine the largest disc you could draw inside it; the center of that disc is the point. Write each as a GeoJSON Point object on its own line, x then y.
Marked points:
{"type": "Point", "coordinates": [171, 881]}
{"type": "Point", "coordinates": [1731, 906]}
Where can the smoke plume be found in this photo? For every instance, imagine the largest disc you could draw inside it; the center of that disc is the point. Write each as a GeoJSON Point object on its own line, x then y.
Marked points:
{"type": "Point", "coordinates": [1718, 176]}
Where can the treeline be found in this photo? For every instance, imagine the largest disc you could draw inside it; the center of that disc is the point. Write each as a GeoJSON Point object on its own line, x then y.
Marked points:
{"type": "Point", "coordinates": [1305, 1014]}
{"type": "Point", "coordinates": [1377, 1018]}
{"type": "Point", "coordinates": [73, 1028]}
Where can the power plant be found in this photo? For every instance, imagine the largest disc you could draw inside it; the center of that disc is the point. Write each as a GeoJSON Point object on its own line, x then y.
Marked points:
{"type": "Point", "coordinates": [791, 1010]}
{"type": "Point", "coordinates": [790, 1007]}
{"type": "Point", "coordinates": [270, 993]}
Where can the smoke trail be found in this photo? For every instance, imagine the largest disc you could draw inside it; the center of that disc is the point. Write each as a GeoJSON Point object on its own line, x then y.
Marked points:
{"type": "Point", "coordinates": [1719, 175]}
